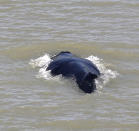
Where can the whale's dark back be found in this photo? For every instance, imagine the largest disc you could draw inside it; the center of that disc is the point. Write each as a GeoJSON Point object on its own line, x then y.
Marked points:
{"type": "Point", "coordinates": [83, 70]}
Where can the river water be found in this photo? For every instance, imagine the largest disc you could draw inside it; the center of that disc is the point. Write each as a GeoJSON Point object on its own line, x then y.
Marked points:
{"type": "Point", "coordinates": [103, 31]}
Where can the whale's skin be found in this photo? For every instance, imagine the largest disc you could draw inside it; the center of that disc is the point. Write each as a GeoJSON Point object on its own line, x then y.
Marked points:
{"type": "Point", "coordinates": [69, 65]}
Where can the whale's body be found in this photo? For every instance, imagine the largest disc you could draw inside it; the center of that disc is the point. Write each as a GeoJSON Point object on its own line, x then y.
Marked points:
{"type": "Point", "coordinates": [83, 70]}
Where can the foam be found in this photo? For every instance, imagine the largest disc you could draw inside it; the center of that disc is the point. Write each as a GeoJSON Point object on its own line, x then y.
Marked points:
{"type": "Point", "coordinates": [106, 74]}
{"type": "Point", "coordinates": [42, 64]}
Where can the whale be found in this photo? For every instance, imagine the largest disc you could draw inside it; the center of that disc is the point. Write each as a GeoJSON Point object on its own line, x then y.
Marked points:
{"type": "Point", "coordinates": [82, 70]}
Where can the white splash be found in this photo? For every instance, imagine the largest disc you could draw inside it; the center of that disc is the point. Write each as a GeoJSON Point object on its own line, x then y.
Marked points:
{"type": "Point", "coordinates": [42, 63]}
{"type": "Point", "coordinates": [106, 74]}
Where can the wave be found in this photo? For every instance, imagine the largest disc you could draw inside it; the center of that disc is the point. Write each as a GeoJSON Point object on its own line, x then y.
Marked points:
{"type": "Point", "coordinates": [43, 61]}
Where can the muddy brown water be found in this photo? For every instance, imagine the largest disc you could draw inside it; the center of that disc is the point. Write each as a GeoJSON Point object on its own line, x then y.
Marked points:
{"type": "Point", "coordinates": [104, 31]}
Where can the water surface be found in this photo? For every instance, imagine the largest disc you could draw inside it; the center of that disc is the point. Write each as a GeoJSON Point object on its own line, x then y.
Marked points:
{"type": "Point", "coordinates": [105, 31]}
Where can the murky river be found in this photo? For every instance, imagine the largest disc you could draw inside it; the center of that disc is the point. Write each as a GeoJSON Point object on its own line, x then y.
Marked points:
{"type": "Point", "coordinates": [103, 31]}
